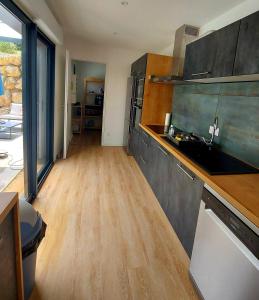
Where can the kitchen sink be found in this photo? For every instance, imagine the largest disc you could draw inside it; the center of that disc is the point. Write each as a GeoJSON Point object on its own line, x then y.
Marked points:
{"type": "Point", "coordinates": [212, 159]}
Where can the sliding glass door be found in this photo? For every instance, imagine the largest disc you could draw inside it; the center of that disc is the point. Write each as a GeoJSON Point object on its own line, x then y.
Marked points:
{"type": "Point", "coordinates": [13, 97]}
{"type": "Point", "coordinates": [45, 64]}
{"type": "Point", "coordinates": [26, 101]}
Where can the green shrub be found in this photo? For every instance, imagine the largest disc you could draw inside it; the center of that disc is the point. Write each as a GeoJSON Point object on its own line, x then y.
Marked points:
{"type": "Point", "coordinates": [8, 47]}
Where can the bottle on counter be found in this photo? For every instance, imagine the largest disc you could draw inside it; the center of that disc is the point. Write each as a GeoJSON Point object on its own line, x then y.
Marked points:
{"type": "Point", "coordinates": [171, 130]}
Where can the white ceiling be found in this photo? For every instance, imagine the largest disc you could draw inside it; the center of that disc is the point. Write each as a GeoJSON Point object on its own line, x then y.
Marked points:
{"type": "Point", "coordinates": [147, 25]}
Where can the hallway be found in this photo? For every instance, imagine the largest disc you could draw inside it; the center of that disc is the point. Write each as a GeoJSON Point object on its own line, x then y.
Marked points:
{"type": "Point", "coordinates": [107, 237]}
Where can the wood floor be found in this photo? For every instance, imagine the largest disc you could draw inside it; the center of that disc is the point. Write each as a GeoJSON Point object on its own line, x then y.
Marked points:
{"type": "Point", "coordinates": [17, 185]}
{"type": "Point", "coordinates": [107, 237]}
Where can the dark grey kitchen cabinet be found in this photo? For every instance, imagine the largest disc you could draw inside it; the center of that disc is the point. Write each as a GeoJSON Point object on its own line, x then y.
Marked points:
{"type": "Point", "coordinates": [138, 68]}
{"type": "Point", "coordinates": [156, 165]}
{"type": "Point", "coordinates": [183, 206]}
{"type": "Point", "coordinates": [131, 141]}
{"type": "Point", "coordinates": [134, 143]}
{"type": "Point", "coordinates": [213, 55]}
{"type": "Point", "coordinates": [199, 58]}
{"type": "Point", "coordinates": [176, 188]}
{"type": "Point", "coordinates": [161, 176]}
{"type": "Point", "coordinates": [226, 41]}
{"type": "Point", "coordinates": [247, 55]}
{"type": "Point", "coordinates": [144, 149]}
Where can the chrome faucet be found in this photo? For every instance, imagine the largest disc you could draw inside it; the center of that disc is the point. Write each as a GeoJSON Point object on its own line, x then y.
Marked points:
{"type": "Point", "coordinates": [213, 130]}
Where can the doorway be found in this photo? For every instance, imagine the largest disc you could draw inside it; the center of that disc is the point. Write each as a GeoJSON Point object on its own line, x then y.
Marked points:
{"type": "Point", "coordinates": [88, 88]}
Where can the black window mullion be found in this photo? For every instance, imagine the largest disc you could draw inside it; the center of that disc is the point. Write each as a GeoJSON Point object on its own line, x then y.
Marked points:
{"type": "Point", "coordinates": [30, 108]}
{"type": "Point", "coordinates": [50, 105]}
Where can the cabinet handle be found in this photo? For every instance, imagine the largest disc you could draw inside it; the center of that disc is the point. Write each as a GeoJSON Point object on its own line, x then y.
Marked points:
{"type": "Point", "coordinates": [145, 134]}
{"type": "Point", "coordinates": [146, 144]}
{"type": "Point", "coordinates": [143, 159]}
{"type": "Point", "coordinates": [162, 150]}
{"type": "Point", "coordinates": [185, 172]}
{"type": "Point", "coordinates": [202, 73]}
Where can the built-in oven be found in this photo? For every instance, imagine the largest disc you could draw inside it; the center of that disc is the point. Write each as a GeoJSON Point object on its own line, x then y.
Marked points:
{"type": "Point", "coordinates": [137, 102]}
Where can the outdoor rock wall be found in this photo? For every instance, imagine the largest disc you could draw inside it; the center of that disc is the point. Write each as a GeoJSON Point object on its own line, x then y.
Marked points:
{"type": "Point", "coordinates": [11, 71]}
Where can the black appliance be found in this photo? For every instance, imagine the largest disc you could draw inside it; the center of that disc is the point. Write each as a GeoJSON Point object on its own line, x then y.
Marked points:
{"type": "Point", "coordinates": [136, 101]}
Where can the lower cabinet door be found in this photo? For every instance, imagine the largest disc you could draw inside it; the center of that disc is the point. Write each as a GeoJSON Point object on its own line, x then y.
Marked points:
{"type": "Point", "coordinates": [135, 144]}
{"type": "Point", "coordinates": [183, 206]}
{"type": "Point", "coordinates": [144, 142]}
{"type": "Point", "coordinates": [131, 142]}
{"type": "Point", "coordinates": [176, 188]}
{"type": "Point", "coordinates": [161, 178]}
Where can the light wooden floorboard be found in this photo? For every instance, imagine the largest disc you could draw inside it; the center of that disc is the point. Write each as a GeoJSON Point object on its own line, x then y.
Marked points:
{"type": "Point", "coordinates": [107, 237]}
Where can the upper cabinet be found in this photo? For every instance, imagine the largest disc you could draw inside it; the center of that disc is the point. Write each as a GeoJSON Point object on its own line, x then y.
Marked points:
{"type": "Point", "coordinates": [247, 55]}
{"type": "Point", "coordinates": [138, 68]}
{"type": "Point", "coordinates": [156, 98]}
{"type": "Point", "coordinates": [226, 43]}
{"type": "Point", "coordinates": [213, 55]}
{"type": "Point", "coordinates": [228, 54]}
{"type": "Point", "coordinates": [199, 58]}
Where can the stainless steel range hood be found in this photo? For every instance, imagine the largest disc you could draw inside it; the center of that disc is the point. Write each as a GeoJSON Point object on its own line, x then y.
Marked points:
{"type": "Point", "coordinates": [183, 36]}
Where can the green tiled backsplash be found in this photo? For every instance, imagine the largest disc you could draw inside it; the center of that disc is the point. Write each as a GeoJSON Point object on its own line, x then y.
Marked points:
{"type": "Point", "coordinates": [237, 107]}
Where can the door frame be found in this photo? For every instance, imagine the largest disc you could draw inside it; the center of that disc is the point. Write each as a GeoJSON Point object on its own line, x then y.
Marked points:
{"type": "Point", "coordinates": [50, 108]}
{"type": "Point", "coordinates": [67, 106]}
{"type": "Point", "coordinates": [29, 94]}
{"type": "Point", "coordinates": [30, 33]}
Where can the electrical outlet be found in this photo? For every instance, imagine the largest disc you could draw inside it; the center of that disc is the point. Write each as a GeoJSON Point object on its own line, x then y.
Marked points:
{"type": "Point", "coordinates": [217, 132]}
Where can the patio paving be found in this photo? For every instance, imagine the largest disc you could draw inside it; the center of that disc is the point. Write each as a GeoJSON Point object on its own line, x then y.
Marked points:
{"type": "Point", "coordinates": [12, 165]}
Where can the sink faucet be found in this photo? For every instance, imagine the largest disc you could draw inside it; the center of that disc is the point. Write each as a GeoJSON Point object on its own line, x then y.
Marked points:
{"type": "Point", "coordinates": [213, 130]}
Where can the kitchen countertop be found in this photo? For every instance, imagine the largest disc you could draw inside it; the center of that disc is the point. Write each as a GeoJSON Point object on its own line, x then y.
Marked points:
{"type": "Point", "coordinates": [241, 191]}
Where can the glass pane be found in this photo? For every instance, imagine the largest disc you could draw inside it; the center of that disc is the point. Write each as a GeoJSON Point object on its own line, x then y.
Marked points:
{"type": "Point", "coordinates": [42, 146]}
{"type": "Point", "coordinates": [11, 104]}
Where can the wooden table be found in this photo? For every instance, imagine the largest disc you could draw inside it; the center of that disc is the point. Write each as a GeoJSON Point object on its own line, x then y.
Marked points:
{"type": "Point", "coordinates": [11, 282]}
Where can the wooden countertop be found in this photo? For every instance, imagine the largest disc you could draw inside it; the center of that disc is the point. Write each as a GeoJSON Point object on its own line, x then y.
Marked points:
{"type": "Point", "coordinates": [241, 191]}
{"type": "Point", "coordinates": [7, 201]}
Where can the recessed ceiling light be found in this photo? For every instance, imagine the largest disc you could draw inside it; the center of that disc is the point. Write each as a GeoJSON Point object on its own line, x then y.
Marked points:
{"type": "Point", "coordinates": [124, 3]}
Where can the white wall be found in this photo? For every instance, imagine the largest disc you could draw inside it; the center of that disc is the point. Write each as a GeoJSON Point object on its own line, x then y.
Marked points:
{"type": "Point", "coordinates": [230, 16]}
{"type": "Point", "coordinates": [40, 13]}
{"type": "Point", "coordinates": [118, 62]}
